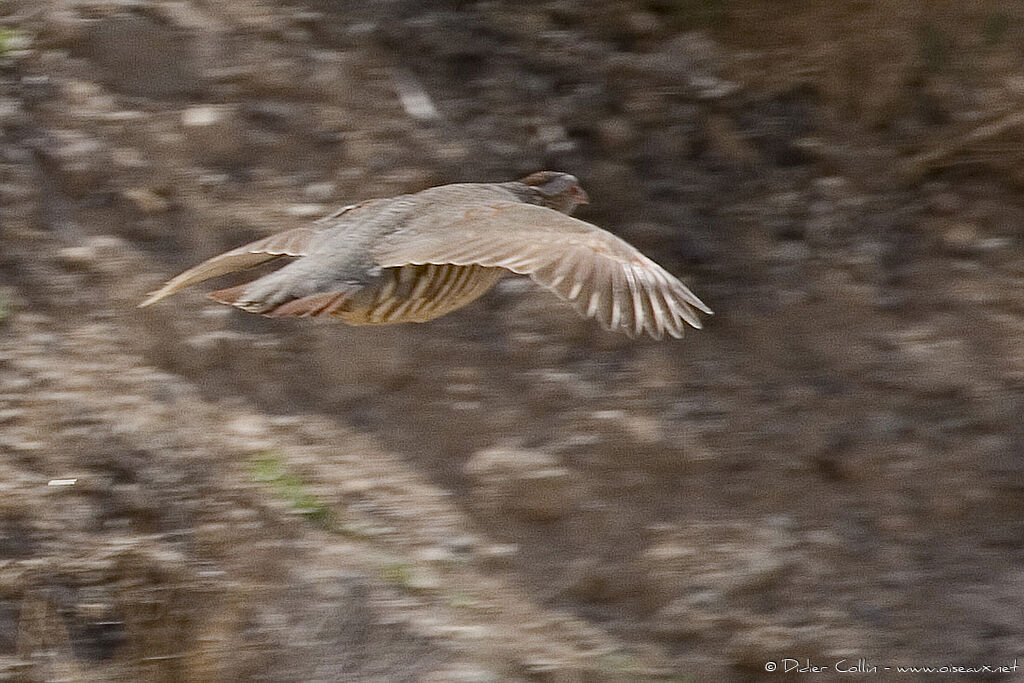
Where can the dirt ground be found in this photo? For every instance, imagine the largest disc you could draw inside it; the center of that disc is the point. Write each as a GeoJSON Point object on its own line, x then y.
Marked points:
{"type": "Point", "coordinates": [832, 471]}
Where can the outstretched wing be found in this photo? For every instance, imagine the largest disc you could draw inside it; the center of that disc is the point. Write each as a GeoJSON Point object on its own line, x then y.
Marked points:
{"type": "Point", "coordinates": [600, 274]}
{"type": "Point", "coordinates": [294, 242]}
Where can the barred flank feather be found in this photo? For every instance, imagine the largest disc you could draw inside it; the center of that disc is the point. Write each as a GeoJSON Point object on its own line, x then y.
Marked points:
{"type": "Point", "coordinates": [435, 291]}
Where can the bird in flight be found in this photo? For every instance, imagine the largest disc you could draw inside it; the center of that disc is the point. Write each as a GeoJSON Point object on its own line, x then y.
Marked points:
{"type": "Point", "coordinates": [416, 257]}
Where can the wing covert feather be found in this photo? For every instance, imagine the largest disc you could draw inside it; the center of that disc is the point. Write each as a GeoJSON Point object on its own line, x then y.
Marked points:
{"type": "Point", "coordinates": [600, 274]}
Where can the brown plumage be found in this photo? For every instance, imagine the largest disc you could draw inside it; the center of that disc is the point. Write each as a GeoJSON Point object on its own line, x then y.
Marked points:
{"type": "Point", "coordinates": [417, 257]}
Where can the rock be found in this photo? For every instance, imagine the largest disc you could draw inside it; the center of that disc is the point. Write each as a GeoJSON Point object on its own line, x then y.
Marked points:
{"type": "Point", "coordinates": [213, 134]}
{"type": "Point", "coordinates": [79, 258]}
{"type": "Point", "coordinates": [685, 618]}
{"type": "Point", "coordinates": [945, 202]}
{"type": "Point", "coordinates": [754, 647]}
{"type": "Point", "coordinates": [320, 192]}
{"type": "Point", "coordinates": [696, 58]}
{"type": "Point", "coordinates": [643, 24]}
{"type": "Point", "coordinates": [834, 189]}
{"type": "Point", "coordinates": [496, 555]}
{"type": "Point", "coordinates": [723, 139]}
{"type": "Point", "coordinates": [541, 326]}
{"type": "Point", "coordinates": [11, 113]}
{"type": "Point", "coordinates": [529, 483]}
{"type": "Point", "coordinates": [98, 254]}
{"type": "Point", "coordinates": [714, 563]}
{"type": "Point", "coordinates": [62, 28]}
{"type": "Point", "coordinates": [145, 200]}
{"type": "Point", "coordinates": [305, 210]}
{"type": "Point", "coordinates": [140, 56]}
{"type": "Point", "coordinates": [217, 346]}
{"type": "Point", "coordinates": [961, 238]}
{"type": "Point", "coordinates": [461, 673]}
{"type": "Point", "coordinates": [646, 108]}
{"type": "Point", "coordinates": [587, 579]}
{"type": "Point", "coordinates": [616, 134]}
{"type": "Point", "coordinates": [544, 671]}
{"type": "Point", "coordinates": [78, 161]}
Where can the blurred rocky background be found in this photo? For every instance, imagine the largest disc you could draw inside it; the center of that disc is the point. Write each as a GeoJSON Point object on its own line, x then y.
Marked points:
{"type": "Point", "coordinates": [833, 468]}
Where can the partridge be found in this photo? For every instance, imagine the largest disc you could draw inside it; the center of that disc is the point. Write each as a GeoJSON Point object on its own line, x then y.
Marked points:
{"type": "Point", "coordinates": [416, 257]}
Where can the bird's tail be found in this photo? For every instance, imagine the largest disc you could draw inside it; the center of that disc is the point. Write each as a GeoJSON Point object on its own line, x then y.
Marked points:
{"type": "Point", "coordinates": [291, 243]}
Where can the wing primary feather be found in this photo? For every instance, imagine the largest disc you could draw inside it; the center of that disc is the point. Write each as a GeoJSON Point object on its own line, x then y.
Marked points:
{"type": "Point", "coordinates": [663, 290]}
{"type": "Point", "coordinates": [592, 305]}
{"type": "Point", "coordinates": [563, 268]}
{"type": "Point", "coordinates": [680, 308]}
{"type": "Point", "coordinates": [691, 298]}
{"type": "Point", "coordinates": [616, 297]}
{"type": "Point", "coordinates": [637, 294]}
{"type": "Point", "coordinates": [664, 315]}
{"type": "Point", "coordinates": [685, 294]}
{"type": "Point", "coordinates": [602, 276]}
{"type": "Point", "coordinates": [656, 318]}
{"type": "Point", "coordinates": [684, 309]}
{"type": "Point", "coordinates": [571, 285]}
{"type": "Point", "coordinates": [574, 292]}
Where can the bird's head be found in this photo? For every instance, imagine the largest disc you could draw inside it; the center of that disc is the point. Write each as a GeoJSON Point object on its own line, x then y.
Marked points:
{"type": "Point", "coordinates": [559, 191]}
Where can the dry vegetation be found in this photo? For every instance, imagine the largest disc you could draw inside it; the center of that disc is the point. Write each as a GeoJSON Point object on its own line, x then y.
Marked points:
{"type": "Point", "coordinates": [833, 468]}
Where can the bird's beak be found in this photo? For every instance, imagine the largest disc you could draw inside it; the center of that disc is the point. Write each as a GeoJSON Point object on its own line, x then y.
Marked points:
{"type": "Point", "coordinates": [580, 195]}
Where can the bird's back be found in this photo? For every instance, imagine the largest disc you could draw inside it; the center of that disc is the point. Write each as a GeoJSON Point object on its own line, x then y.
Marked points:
{"type": "Point", "coordinates": [342, 257]}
